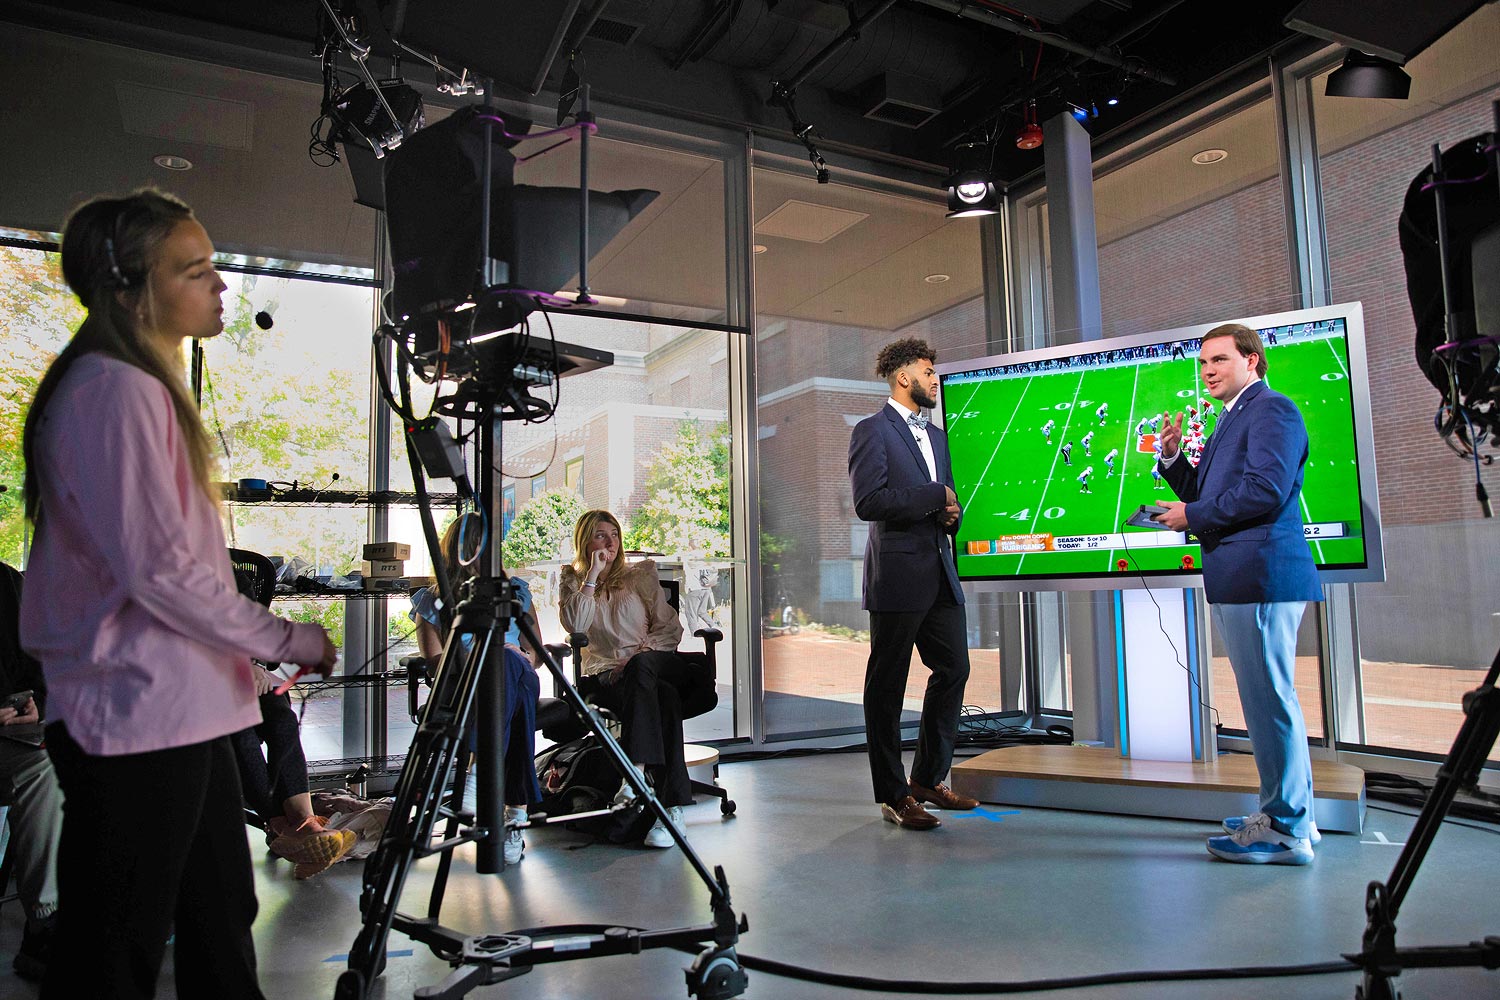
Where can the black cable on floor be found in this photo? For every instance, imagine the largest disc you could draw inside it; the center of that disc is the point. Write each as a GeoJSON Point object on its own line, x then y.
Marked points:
{"type": "Point", "coordinates": [902, 986]}
{"type": "Point", "coordinates": [870, 983]}
{"type": "Point", "coordinates": [1407, 791]}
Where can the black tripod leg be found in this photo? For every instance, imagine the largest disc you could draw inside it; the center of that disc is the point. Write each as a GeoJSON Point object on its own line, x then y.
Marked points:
{"type": "Point", "coordinates": [455, 804]}
{"type": "Point", "coordinates": [1380, 957]}
{"type": "Point", "coordinates": [418, 799]}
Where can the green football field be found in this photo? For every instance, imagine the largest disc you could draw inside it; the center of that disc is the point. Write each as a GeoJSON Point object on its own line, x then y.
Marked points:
{"type": "Point", "coordinates": [1026, 513]}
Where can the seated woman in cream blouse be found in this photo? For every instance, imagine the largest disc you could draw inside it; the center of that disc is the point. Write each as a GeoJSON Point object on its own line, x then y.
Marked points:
{"type": "Point", "coordinates": [633, 634]}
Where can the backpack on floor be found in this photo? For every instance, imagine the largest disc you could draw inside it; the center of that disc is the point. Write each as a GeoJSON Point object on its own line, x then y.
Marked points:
{"type": "Point", "coordinates": [580, 776]}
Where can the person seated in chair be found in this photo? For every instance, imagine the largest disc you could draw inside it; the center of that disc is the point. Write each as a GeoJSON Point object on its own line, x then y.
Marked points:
{"type": "Point", "coordinates": [632, 656]}
{"type": "Point", "coordinates": [27, 777]}
{"type": "Point", "coordinates": [522, 687]}
{"type": "Point", "coordinates": [276, 786]}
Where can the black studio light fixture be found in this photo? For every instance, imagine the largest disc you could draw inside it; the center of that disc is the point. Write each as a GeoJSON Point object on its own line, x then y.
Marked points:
{"type": "Point", "coordinates": [971, 186]}
{"type": "Point", "coordinates": [1364, 75]}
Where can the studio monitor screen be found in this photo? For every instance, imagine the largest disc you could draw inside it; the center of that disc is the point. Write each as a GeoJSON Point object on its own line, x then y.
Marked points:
{"type": "Point", "coordinates": [1053, 450]}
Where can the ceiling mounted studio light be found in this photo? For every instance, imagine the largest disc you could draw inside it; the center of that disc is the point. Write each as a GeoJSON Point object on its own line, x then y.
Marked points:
{"type": "Point", "coordinates": [1368, 76]}
{"type": "Point", "coordinates": [971, 186]}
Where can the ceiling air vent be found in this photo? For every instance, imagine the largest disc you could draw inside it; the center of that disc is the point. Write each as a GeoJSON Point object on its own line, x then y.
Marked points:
{"type": "Point", "coordinates": [613, 31]}
{"type": "Point", "coordinates": [898, 99]}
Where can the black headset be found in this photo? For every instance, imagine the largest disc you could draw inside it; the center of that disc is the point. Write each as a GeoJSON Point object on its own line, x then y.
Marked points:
{"type": "Point", "coordinates": [109, 250]}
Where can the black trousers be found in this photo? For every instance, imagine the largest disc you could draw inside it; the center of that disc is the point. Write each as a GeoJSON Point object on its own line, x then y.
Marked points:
{"type": "Point", "coordinates": [940, 635]}
{"type": "Point", "coordinates": [656, 691]}
{"type": "Point", "coordinates": [149, 839]}
{"type": "Point", "coordinates": [271, 778]}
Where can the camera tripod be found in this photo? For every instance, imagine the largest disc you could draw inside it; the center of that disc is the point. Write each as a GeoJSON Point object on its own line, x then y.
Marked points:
{"type": "Point", "coordinates": [1380, 958]}
{"type": "Point", "coordinates": [483, 615]}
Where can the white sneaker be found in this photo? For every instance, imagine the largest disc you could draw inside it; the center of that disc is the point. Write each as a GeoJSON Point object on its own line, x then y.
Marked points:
{"type": "Point", "coordinates": [514, 845]}
{"type": "Point", "coordinates": [658, 836]}
{"type": "Point", "coordinates": [1234, 824]}
{"type": "Point", "coordinates": [1259, 843]}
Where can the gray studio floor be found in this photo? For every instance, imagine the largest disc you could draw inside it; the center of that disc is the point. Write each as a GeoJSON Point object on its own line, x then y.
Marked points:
{"type": "Point", "coordinates": [999, 896]}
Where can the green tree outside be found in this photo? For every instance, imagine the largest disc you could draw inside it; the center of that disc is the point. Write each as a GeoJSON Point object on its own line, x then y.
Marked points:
{"type": "Point", "coordinates": [687, 495]}
{"type": "Point", "coordinates": [38, 315]}
{"type": "Point", "coordinates": [539, 529]}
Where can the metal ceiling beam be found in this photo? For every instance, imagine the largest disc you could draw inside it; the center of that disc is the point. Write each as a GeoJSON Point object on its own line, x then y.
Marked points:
{"type": "Point", "coordinates": [1107, 56]}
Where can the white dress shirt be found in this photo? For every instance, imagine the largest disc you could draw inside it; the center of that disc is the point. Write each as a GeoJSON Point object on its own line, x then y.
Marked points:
{"type": "Point", "coordinates": [920, 433]}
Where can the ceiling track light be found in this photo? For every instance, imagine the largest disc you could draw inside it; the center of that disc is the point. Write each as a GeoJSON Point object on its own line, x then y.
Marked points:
{"type": "Point", "coordinates": [1364, 75]}
{"type": "Point", "coordinates": [971, 186]}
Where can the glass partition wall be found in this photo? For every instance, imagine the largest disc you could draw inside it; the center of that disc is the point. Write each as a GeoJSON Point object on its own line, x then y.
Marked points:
{"type": "Point", "coordinates": [720, 434]}
{"type": "Point", "coordinates": [841, 269]}
{"type": "Point", "coordinates": [1428, 633]}
{"type": "Point", "coordinates": [1281, 197]}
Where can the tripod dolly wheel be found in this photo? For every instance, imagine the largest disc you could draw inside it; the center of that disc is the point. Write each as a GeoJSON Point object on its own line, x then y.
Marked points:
{"type": "Point", "coordinates": [351, 986]}
{"type": "Point", "coordinates": [727, 807]}
{"type": "Point", "coordinates": [716, 974]}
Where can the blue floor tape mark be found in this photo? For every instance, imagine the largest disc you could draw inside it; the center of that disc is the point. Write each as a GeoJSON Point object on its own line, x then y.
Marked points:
{"type": "Point", "coordinates": [399, 953]}
{"type": "Point", "coordinates": [991, 815]}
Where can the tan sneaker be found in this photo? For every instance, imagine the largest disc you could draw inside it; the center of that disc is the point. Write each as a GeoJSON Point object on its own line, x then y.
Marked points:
{"type": "Point", "coordinates": [312, 848]}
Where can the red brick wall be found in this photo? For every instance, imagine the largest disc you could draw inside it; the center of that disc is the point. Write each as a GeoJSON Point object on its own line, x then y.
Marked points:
{"type": "Point", "coordinates": [1228, 257]}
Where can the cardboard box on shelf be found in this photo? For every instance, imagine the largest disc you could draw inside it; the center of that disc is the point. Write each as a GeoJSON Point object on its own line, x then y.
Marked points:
{"type": "Point", "coordinates": [383, 568]}
{"type": "Point", "coordinates": [387, 550]}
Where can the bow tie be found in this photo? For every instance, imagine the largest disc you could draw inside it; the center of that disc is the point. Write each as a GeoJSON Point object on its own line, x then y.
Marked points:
{"type": "Point", "coordinates": [917, 420]}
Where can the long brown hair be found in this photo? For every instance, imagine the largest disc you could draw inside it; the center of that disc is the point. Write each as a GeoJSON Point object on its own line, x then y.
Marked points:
{"type": "Point", "coordinates": [109, 248]}
{"type": "Point", "coordinates": [470, 524]}
{"type": "Point", "coordinates": [582, 532]}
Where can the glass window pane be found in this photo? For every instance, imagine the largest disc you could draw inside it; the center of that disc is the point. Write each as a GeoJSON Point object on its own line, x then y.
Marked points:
{"type": "Point", "coordinates": [1182, 242]}
{"type": "Point", "coordinates": [291, 405]}
{"type": "Point", "coordinates": [1426, 635]}
{"type": "Point", "coordinates": [38, 315]}
{"type": "Point", "coordinates": [845, 271]}
{"type": "Point", "coordinates": [634, 437]}
{"type": "Point", "coordinates": [661, 466]}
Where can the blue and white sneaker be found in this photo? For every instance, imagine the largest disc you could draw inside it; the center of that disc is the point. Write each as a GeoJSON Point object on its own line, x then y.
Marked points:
{"type": "Point", "coordinates": [1234, 823]}
{"type": "Point", "coordinates": [1258, 843]}
{"type": "Point", "coordinates": [512, 848]}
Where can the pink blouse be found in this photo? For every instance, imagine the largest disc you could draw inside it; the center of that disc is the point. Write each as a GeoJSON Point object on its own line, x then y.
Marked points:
{"type": "Point", "coordinates": [620, 620]}
{"type": "Point", "coordinates": [130, 602]}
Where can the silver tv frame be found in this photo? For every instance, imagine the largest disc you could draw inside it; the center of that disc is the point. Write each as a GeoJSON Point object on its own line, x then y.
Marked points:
{"type": "Point", "coordinates": [1364, 443]}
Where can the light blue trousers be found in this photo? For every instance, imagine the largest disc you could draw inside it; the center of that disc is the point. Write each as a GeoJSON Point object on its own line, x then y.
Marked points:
{"type": "Point", "coordinates": [1262, 644]}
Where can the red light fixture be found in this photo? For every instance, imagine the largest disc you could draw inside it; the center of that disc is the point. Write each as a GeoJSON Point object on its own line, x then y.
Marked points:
{"type": "Point", "coordinates": [1030, 135]}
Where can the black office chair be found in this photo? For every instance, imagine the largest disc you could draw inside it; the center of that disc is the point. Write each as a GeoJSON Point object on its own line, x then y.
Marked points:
{"type": "Point", "coordinates": [590, 687]}
{"type": "Point", "coordinates": [255, 576]}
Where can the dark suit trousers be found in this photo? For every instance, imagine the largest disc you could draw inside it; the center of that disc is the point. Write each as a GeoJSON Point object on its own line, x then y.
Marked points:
{"type": "Point", "coordinates": [656, 691]}
{"type": "Point", "coordinates": [149, 840]}
{"type": "Point", "coordinates": [940, 635]}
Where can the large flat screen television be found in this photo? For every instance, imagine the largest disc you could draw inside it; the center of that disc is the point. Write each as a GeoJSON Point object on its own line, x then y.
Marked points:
{"type": "Point", "coordinates": [1054, 449]}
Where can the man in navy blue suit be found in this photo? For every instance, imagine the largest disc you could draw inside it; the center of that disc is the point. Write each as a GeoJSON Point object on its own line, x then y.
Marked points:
{"type": "Point", "coordinates": [903, 485]}
{"type": "Point", "coordinates": [1243, 503]}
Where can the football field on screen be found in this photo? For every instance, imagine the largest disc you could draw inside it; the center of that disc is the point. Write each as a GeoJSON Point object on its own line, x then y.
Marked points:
{"type": "Point", "coordinates": [1019, 490]}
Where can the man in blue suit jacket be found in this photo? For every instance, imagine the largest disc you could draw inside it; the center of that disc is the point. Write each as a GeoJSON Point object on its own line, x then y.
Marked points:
{"type": "Point", "coordinates": [903, 485]}
{"type": "Point", "coordinates": [1243, 503]}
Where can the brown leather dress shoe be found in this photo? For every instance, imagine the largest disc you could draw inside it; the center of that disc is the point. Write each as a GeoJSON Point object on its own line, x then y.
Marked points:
{"type": "Point", "coordinates": [943, 796]}
{"type": "Point", "coordinates": [909, 814]}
